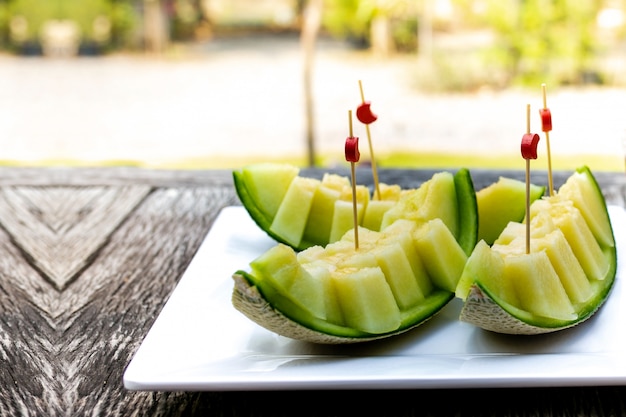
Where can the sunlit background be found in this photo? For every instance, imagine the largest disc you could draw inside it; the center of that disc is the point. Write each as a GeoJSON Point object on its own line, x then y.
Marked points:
{"type": "Point", "coordinates": [221, 83]}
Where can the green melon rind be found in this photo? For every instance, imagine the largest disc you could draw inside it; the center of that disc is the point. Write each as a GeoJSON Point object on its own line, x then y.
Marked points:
{"type": "Point", "coordinates": [487, 311]}
{"type": "Point", "coordinates": [467, 235]}
{"type": "Point", "coordinates": [596, 187]}
{"type": "Point", "coordinates": [248, 201]}
{"type": "Point", "coordinates": [250, 297]}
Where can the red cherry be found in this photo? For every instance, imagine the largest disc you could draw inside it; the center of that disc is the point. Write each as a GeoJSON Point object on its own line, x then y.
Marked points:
{"type": "Point", "coordinates": [364, 113]}
{"type": "Point", "coordinates": [352, 149]}
{"type": "Point", "coordinates": [529, 145]}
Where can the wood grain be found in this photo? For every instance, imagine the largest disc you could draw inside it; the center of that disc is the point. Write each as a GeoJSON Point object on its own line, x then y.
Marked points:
{"type": "Point", "coordinates": [88, 258]}
{"type": "Point", "coordinates": [84, 271]}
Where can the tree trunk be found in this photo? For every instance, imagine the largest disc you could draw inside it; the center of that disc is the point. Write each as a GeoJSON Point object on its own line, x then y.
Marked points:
{"type": "Point", "coordinates": [381, 36]}
{"type": "Point", "coordinates": [425, 32]}
{"type": "Point", "coordinates": [312, 18]}
{"type": "Point", "coordinates": [155, 26]}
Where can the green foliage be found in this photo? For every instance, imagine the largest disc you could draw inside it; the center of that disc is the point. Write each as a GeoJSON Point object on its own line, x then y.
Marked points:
{"type": "Point", "coordinates": [404, 33]}
{"type": "Point", "coordinates": [4, 22]}
{"type": "Point", "coordinates": [85, 13]}
{"type": "Point", "coordinates": [186, 18]}
{"type": "Point", "coordinates": [543, 40]}
{"type": "Point", "coordinates": [37, 12]}
{"type": "Point", "coordinates": [348, 18]}
{"type": "Point", "coordinates": [352, 19]}
{"type": "Point", "coordinates": [123, 20]}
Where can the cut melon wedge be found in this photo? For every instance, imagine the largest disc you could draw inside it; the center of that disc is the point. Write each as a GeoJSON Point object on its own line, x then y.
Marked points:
{"type": "Point", "coordinates": [304, 212]}
{"type": "Point", "coordinates": [395, 280]}
{"type": "Point", "coordinates": [564, 278]}
{"type": "Point", "coordinates": [341, 294]}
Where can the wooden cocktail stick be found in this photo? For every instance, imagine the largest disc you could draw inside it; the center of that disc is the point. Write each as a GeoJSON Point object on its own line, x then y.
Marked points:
{"type": "Point", "coordinates": [352, 156]}
{"type": "Point", "coordinates": [529, 151]}
{"type": "Point", "coordinates": [365, 116]}
{"type": "Point", "coordinates": [546, 127]}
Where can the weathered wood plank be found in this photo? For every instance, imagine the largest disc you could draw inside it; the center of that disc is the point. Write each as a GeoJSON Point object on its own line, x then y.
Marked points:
{"type": "Point", "coordinates": [66, 355]}
{"type": "Point", "coordinates": [60, 176]}
{"type": "Point", "coordinates": [64, 348]}
{"type": "Point", "coordinates": [144, 276]}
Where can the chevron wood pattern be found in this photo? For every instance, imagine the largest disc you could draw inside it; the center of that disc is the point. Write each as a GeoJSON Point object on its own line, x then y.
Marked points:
{"type": "Point", "coordinates": [84, 271]}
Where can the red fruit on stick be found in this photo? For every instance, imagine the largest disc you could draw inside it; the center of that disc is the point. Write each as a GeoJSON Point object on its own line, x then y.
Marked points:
{"type": "Point", "coordinates": [364, 113]}
{"type": "Point", "coordinates": [352, 156]}
{"type": "Point", "coordinates": [546, 127]}
{"type": "Point", "coordinates": [546, 120]}
{"type": "Point", "coordinates": [529, 145]}
{"type": "Point", "coordinates": [352, 149]}
{"type": "Point", "coordinates": [529, 151]}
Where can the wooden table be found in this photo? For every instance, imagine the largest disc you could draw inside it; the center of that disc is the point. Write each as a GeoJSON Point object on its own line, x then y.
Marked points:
{"type": "Point", "coordinates": [88, 257]}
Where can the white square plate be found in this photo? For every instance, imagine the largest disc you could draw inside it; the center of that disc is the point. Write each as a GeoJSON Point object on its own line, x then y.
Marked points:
{"type": "Point", "coordinates": [200, 342]}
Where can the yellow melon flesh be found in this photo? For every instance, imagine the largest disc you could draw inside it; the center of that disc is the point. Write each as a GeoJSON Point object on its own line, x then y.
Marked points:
{"type": "Point", "coordinates": [268, 183]}
{"type": "Point", "coordinates": [500, 203]}
{"type": "Point", "coordinates": [320, 218]}
{"type": "Point", "coordinates": [537, 286]}
{"type": "Point", "coordinates": [580, 189]}
{"type": "Point", "coordinates": [366, 300]}
{"type": "Point", "coordinates": [487, 267]}
{"type": "Point", "coordinates": [374, 212]}
{"type": "Point", "coordinates": [291, 218]}
{"type": "Point", "coordinates": [570, 221]}
{"type": "Point", "coordinates": [431, 200]}
{"type": "Point", "coordinates": [446, 259]}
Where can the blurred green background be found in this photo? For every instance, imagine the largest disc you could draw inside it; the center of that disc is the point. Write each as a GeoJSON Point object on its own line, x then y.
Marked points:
{"type": "Point", "coordinates": [465, 44]}
{"type": "Point", "coordinates": [180, 82]}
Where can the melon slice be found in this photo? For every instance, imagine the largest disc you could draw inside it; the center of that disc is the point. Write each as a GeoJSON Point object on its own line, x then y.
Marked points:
{"type": "Point", "coordinates": [395, 280]}
{"type": "Point", "coordinates": [564, 278]}
{"type": "Point", "coordinates": [502, 202]}
{"type": "Point", "coordinates": [361, 294]}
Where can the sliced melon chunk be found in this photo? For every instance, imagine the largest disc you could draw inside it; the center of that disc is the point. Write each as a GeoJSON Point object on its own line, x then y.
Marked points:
{"type": "Point", "coordinates": [374, 213]}
{"type": "Point", "coordinates": [444, 266]}
{"type": "Point", "coordinates": [566, 266]}
{"type": "Point", "coordinates": [397, 268]}
{"type": "Point", "coordinates": [402, 232]}
{"type": "Point", "coordinates": [332, 310]}
{"type": "Point", "coordinates": [538, 286]}
{"type": "Point", "coordinates": [582, 189]}
{"type": "Point", "coordinates": [319, 223]}
{"type": "Point", "coordinates": [500, 203]}
{"type": "Point", "coordinates": [486, 267]}
{"type": "Point", "coordinates": [282, 272]}
{"type": "Point", "coordinates": [570, 221]}
{"type": "Point", "coordinates": [267, 184]}
{"type": "Point", "coordinates": [343, 219]}
{"type": "Point", "coordinates": [380, 204]}
{"type": "Point", "coordinates": [366, 300]}
{"type": "Point", "coordinates": [436, 198]}
{"type": "Point", "coordinates": [292, 215]}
